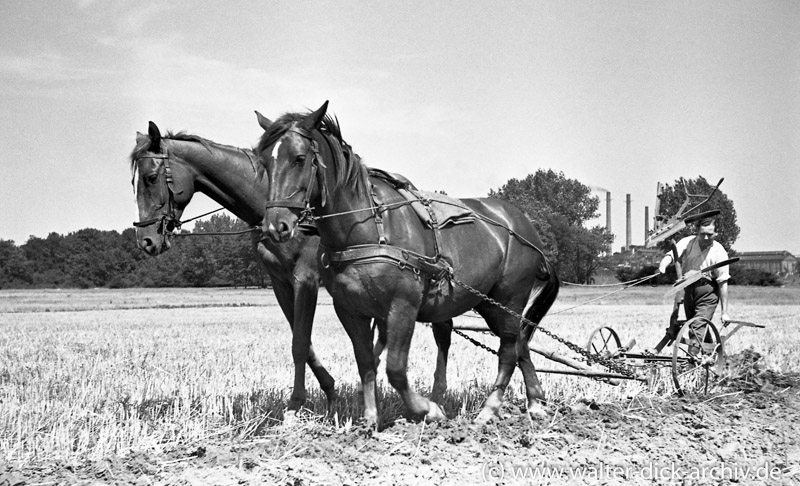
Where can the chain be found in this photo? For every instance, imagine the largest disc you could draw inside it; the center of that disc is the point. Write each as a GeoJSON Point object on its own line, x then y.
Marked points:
{"type": "Point", "coordinates": [475, 341]}
{"type": "Point", "coordinates": [587, 356]}
{"type": "Point", "coordinates": [590, 358]}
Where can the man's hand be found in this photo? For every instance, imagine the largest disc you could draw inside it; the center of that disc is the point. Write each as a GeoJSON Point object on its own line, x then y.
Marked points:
{"type": "Point", "coordinates": [725, 317]}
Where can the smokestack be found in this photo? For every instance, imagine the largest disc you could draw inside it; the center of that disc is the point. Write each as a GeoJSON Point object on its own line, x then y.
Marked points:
{"type": "Point", "coordinates": [646, 222]}
{"type": "Point", "coordinates": [608, 211]}
{"type": "Point", "coordinates": [627, 221]}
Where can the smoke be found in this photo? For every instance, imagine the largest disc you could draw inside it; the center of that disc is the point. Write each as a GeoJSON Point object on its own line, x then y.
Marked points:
{"type": "Point", "coordinates": [598, 188]}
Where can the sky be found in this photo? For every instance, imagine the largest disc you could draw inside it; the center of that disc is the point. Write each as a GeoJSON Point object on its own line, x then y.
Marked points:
{"type": "Point", "coordinates": [459, 96]}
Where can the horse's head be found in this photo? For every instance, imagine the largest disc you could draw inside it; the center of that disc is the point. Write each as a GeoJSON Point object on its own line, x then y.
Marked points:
{"type": "Point", "coordinates": [161, 192]}
{"type": "Point", "coordinates": [291, 155]}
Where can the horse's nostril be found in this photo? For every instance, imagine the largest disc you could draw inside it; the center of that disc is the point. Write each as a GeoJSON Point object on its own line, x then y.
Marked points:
{"type": "Point", "coordinates": [147, 242]}
{"type": "Point", "coordinates": [283, 228]}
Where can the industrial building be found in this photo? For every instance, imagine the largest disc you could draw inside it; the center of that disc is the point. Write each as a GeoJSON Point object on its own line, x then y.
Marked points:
{"type": "Point", "coordinates": [779, 262]}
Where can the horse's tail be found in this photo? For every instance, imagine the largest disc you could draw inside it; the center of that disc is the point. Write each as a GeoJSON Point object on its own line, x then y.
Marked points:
{"type": "Point", "coordinates": [543, 293]}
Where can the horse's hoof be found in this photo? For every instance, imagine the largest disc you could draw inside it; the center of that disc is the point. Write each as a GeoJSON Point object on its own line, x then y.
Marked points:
{"type": "Point", "coordinates": [487, 415]}
{"type": "Point", "coordinates": [370, 420]}
{"type": "Point", "coordinates": [537, 411]}
{"type": "Point", "coordinates": [435, 413]}
{"type": "Point", "coordinates": [290, 417]}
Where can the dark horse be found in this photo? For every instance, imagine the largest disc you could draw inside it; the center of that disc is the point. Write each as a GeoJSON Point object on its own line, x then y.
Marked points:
{"type": "Point", "coordinates": [169, 170]}
{"type": "Point", "coordinates": [379, 261]}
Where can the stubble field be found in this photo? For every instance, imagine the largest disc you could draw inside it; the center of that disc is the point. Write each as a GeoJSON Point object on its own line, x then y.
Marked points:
{"type": "Point", "coordinates": [178, 386]}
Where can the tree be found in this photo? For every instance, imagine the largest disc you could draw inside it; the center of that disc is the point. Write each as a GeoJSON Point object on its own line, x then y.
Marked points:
{"type": "Point", "coordinates": [15, 270]}
{"type": "Point", "coordinates": [95, 258]}
{"type": "Point", "coordinates": [673, 197]}
{"type": "Point", "coordinates": [47, 258]}
{"type": "Point", "coordinates": [219, 260]}
{"type": "Point", "coordinates": [579, 249]}
{"type": "Point", "coordinates": [551, 193]}
{"type": "Point", "coordinates": [559, 207]}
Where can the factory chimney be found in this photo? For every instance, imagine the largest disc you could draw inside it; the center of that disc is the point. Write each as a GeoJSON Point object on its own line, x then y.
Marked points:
{"type": "Point", "coordinates": [628, 222]}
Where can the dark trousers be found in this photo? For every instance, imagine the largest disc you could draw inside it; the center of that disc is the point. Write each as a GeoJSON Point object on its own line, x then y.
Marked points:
{"type": "Point", "coordinates": [700, 300]}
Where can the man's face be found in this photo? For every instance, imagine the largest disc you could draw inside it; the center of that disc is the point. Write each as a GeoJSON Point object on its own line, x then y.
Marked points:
{"type": "Point", "coordinates": [706, 234]}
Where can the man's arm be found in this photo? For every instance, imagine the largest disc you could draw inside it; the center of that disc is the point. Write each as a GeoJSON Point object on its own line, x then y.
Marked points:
{"type": "Point", "coordinates": [723, 301]}
{"type": "Point", "coordinates": [662, 267]}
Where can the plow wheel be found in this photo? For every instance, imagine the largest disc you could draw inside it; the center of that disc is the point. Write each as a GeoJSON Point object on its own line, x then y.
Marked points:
{"type": "Point", "coordinates": [697, 357]}
{"type": "Point", "coordinates": [604, 342]}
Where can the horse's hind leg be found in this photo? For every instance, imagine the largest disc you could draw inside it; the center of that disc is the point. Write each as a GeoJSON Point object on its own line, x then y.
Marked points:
{"type": "Point", "coordinates": [540, 299]}
{"type": "Point", "coordinates": [507, 358]}
{"type": "Point", "coordinates": [441, 334]}
{"type": "Point", "coordinates": [507, 329]}
{"type": "Point", "coordinates": [533, 388]}
{"type": "Point", "coordinates": [400, 329]}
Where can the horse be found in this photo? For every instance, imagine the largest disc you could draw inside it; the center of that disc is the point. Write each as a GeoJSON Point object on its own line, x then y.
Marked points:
{"type": "Point", "coordinates": [380, 261]}
{"type": "Point", "coordinates": [169, 170]}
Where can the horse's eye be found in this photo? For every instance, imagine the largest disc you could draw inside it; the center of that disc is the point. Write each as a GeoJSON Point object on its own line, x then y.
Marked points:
{"type": "Point", "coordinates": [299, 160]}
{"type": "Point", "coordinates": [152, 178]}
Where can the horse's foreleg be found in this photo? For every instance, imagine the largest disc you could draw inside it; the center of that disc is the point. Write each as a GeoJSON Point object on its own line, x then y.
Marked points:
{"type": "Point", "coordinates": [298, 305]}
{"type": "Point", "coordinates": [441, 334]}
{"type": "Point", "coordinates": [361, 335]}
{"type": "Point", "coordinates": [305, 304]}
{"type": "Point", "coordinates": [380, 344]}
{"type": "Point", "coordinates": [284, 293]}
{"type": "Point", "coordinates": [400, 329]}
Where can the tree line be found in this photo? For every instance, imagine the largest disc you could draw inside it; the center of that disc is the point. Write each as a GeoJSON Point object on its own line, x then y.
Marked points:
{"type": "Point", "coordinates": [93, 258]}
{"type": "Point", "coordinates": [558, 206]}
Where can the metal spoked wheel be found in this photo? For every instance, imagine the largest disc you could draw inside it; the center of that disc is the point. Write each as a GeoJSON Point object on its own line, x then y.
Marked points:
{"type": "Point", "coordinates": [697, 357]}
{"type": "Point", "coordinates": [604, 342]}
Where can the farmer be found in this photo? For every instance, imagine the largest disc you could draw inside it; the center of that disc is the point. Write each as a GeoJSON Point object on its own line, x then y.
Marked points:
{"type": "Point", "coordinates": [695, 253]}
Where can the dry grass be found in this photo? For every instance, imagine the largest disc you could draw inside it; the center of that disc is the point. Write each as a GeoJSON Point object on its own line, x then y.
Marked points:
{"type": "Point", "coordinates": [88, 373]}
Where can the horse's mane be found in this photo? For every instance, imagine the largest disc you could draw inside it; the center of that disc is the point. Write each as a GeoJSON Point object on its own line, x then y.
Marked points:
{"type": "Point", "coordinates": [349, 170]}
{"type": "Point", "coordinates": [144, 143]}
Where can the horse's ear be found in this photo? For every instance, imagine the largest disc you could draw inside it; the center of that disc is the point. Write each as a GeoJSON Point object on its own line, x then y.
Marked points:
{"type": "Point", "coordinates": [155, 138]}
{"type": "Point", "coordinates": [314, 120]}
{"type": "Point", "coordinates": [140, 137]}
{"type": "Point", "coordinates": [263, 121]}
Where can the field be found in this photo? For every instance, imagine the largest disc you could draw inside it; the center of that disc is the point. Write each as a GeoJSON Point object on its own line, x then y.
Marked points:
{"type": "Point", "coordinates": [179, 386]}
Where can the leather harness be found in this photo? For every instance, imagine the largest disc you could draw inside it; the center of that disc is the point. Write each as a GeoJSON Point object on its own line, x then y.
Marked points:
{"type": "Point", "coordinates": [435, 267]}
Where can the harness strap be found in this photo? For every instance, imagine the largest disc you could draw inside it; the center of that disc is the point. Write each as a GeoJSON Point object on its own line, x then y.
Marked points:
{"type": "Point", "coordinates": [436, 232]}
{"type": "Point", "coordinates": [437, 268]}
{"type": "Point", "coordinates": [376, 213]}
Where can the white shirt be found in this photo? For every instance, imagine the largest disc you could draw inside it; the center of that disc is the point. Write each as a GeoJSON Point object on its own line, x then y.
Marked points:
{"type": "Point", "coordinates": [694, 258]}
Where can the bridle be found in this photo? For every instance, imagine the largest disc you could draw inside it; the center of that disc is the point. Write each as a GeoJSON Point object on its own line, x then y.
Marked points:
{"type": "Point", "coordinates": [306, 216]}
{"type": "Point", "coordinates": [167, 221]}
